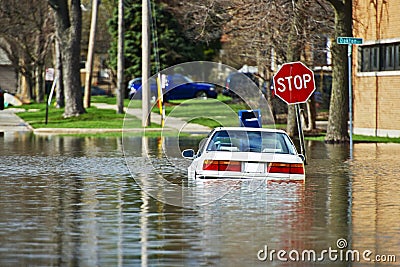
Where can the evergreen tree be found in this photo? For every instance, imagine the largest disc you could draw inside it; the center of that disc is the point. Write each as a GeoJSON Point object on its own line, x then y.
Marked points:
{"type": "Point", "coordinates": [168, 39]}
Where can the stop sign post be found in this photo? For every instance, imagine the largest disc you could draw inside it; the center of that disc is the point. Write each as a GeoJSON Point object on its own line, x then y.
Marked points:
{"type": "Point", "coordinates": [294, 83]}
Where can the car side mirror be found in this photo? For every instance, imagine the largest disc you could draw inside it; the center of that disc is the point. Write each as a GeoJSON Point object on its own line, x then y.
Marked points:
{"type": "Point", "coordinates": [303, 158]}
{"type": "Point", "coordinates": [188, 153]}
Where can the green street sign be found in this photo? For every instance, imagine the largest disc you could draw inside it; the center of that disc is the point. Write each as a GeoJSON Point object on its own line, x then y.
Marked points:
{"type": "Point", "coordinates": [349, 40]}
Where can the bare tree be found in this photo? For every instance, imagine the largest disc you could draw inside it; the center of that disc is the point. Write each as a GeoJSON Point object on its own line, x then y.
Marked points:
{"type": "Point", "coordinates": [265, 33]}
{"type": "Point", "coordinates": [68, 16]}
{"type": "Point", "coordinates": [26, 30]}
{"type": "Point", "coordinates": [202, 20]}
{"type": "Point", "coordinates": [292, 28]}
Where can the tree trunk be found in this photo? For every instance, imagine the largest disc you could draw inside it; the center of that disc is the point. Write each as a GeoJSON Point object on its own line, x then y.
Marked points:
{"type": "Point", "coordinates": [311, 115]}
{"type": "Point", "coordinates": [25, 79]}
{"type": "Point", "coordinates": [338, 111]}
{"type": "Point", "coordinates": [58, 71]}
{"type": "Point", "coordinates": [39, 67]}
{"type": "Point", "coordinates": [68, 28]}
{"type": "Point", "coordinates": [39, 84]}
{"type": "Point", "coordinates": [30, 83]}
{"type": "Point", "coordinates": [268, 92]}
{"type": "Point", "coordinates": [24, 89]}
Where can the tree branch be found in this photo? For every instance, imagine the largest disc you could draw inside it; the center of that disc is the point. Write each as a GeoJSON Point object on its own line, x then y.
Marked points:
{"type": "Point", "coordinates": [337, 4]}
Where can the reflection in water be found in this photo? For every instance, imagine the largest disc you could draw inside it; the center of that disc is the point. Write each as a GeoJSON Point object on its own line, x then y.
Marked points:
{"type": "Point", "coordinates": [73, 201]}
{"type": "Point", "coordinates": [375, 200]}
{"type": "Point", "coordinates": [144, 209]}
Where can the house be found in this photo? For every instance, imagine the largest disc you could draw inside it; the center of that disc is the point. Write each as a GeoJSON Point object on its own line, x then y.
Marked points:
{"type": "Point", "coordinates": [376, 68]}
{"type": "Point", "coordinates": [8, 75]}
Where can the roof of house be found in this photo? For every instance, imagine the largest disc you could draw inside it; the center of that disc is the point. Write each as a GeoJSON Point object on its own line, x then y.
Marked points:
{"type": "Point", "coordinates": [4, 60]}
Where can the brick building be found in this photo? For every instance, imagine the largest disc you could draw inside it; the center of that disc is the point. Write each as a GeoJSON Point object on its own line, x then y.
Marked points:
{"type": "Point", "coordinates": [376, 68]}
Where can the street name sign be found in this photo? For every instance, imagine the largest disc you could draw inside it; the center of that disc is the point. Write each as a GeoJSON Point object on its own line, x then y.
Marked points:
{"type": "Point", "coordinates": [294, 83]}
{"type": "Point", "coordinates": [349, 40]}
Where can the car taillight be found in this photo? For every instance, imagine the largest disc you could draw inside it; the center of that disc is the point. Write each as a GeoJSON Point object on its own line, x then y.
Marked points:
{"type": "Point", "coordinates": [290, 168]}
{"type": "Point", "coordinates": [222, 165]}
{"type": "Point", "coordinates": [211, 165]}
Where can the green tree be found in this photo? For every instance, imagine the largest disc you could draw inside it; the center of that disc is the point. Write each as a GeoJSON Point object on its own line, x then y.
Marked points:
{"type": "Point", "coordinates": [167, 37]}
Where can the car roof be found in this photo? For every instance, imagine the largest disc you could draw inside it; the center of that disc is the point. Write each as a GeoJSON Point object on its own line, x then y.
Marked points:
{"type": "Point", "coordinates": [249, 129]}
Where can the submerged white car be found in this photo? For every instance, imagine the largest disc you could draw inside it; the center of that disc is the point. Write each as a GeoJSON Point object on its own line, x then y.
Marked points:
{"type": "Point", "coordinates": [246, 153]}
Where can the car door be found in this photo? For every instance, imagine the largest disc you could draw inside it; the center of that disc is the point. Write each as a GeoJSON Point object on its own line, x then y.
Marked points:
{"type": "Point", "coordinates": [179, 88]}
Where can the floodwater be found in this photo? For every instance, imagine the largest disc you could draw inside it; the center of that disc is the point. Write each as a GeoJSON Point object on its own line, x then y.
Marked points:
{"type": "Point", "coordinates": [69, 201]}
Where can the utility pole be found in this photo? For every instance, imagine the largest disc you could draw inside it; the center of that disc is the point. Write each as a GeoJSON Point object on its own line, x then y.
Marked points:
{"type": "Point", "coordinates": [145, 64]}
{"type": "Point", "coordinates": [120, 63]}
{"type": "Point", "coordinates": [89, 62]}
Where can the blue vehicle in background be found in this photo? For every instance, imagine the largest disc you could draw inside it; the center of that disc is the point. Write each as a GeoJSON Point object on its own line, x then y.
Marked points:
{"type": "Point", "coordinates": [178, 87]}
{"type": "Point", "coordinates": [239, 82]}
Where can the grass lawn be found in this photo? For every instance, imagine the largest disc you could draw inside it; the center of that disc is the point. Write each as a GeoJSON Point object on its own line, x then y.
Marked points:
{"type": "Point", "coordinates": [362, 139]}
{"type": "Point", "coordinates": [375, 139]}
{"type": "Point", "coordinates": [210, 112]}
{"type": "Point", "coordinates": [207, 112]}
{"type": "Point", "coordinates": [93, 118]}
{"type": "Point", "coordinates": [112, 100]}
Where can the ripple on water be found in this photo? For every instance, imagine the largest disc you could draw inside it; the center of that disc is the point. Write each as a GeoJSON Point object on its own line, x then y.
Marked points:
{"type": "Point", "coordinates": [81, 205]}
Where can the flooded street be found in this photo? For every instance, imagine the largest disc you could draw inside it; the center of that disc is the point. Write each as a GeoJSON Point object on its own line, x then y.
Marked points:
{"type": "Point", "coordinates": [70, 201]}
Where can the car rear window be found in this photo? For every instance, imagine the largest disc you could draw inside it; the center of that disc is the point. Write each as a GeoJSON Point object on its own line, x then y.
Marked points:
{"type": "Point", "coordinates": [251, 141]}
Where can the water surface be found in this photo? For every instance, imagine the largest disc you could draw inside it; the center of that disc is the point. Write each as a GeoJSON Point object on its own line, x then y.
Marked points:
{"type": "Point", "coordinates": [68, 201]}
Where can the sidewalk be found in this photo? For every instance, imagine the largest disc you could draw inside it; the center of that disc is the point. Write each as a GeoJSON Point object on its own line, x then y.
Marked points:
{"type": "Point", "coordinates": [10, 122]}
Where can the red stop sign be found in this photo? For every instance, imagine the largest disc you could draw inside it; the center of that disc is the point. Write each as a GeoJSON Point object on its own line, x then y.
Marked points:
{"type": "Point", "coordinates": [294, 83]}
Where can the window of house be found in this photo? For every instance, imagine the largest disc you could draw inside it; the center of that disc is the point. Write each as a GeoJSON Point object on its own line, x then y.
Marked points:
{"type": "Point", "coordinates": [320, 51]}
{"type": "Point", "coordinates": [365, 65]}
{"type": "Point", "coordinates": [388, 56]}
{"type": "Point", "coordinates": [374, 58]}
{"type": "Point", "coordinates": [397, 57]}
{"type": "Point", "coordinates": [380, 57]}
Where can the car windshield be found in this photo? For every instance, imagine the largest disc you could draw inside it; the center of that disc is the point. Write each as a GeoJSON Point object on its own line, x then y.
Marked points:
{"type": "Point", "coordinates": [251, 141]}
